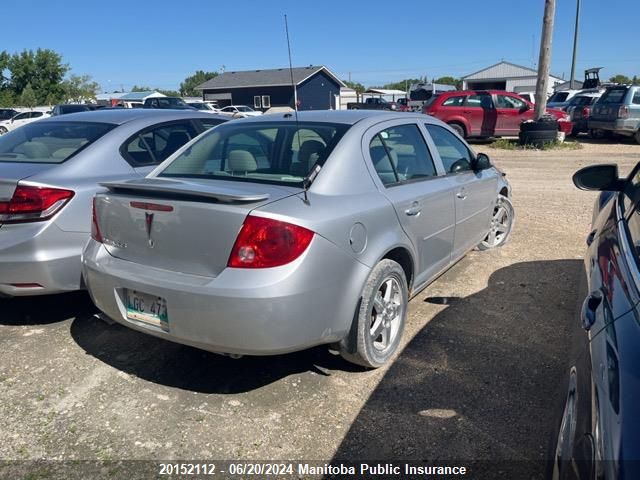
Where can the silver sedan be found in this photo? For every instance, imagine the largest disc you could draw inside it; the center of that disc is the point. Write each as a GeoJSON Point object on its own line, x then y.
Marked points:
{"type": "Point", "coordinates": [273, 234]}
{"type": "Point", "coordinates": [49, 172]}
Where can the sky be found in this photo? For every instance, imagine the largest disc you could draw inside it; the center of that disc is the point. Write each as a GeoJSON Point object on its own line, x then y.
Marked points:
{"type": "Point", "coordinates": [159, 43]}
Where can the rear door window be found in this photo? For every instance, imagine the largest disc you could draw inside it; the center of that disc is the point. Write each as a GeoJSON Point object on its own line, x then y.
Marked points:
{"type": "Point", "coordinates": [507, 101]}
{"type": "Point", "coordinates": [154, 145]}
{"type": "Point", "coordinates": [482, 100]}
{"type": "Point", "coordinates": [400, 154]}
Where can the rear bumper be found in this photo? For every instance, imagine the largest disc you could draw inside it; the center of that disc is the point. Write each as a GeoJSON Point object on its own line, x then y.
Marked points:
{"type": "Point", "coordinates": [241, 311]}
{"type": "Point", "coordinates": [623, 126]}
{"type": "Point", "coordinates": [42, 254]}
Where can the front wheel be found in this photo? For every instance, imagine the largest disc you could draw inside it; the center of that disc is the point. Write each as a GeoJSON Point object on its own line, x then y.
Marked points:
{"type": "Point", "coordinates": [377, 329]}
{"type": "Point", "coordinates": [3, 130]}
{"type": "Point", "coordinates": [501, 224]}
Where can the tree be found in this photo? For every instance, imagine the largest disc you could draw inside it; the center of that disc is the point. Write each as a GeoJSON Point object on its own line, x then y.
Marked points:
{"type": "Point", "coordinates": [7, 98]}
{"type": "Point", "coordinates": [358, 87]}
{"type": "Point", "coordinates": [137, 88]}
{"type": "Point", "coordinates": [79, 88]}
{"type": "Point", "coordinates": [620, 79]}
{"type": "Point", "coordinates": [28, 97]}
{"type": "Point", "coordinates": [446, 80]}
{"type": "Point", "coordinates": [403, 85]}
{"type": "Point", "coordinates": [635, 80]}
{"type": "Point", "coordinates": [169, 93]}
{"type": "Point", "coordinates": [43, 70]}
{"type": "Point", "coordinates": [188, 86]}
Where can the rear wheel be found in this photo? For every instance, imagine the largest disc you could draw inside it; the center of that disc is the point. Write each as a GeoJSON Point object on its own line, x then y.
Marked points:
{"type": "Point", "coordinates": [377, 329]}
{"type": "Point", "coordinates": [501, 224]}
{"type": "Point", "coordinates": [3, 130]}
{"type": "Point", "coordinates": [459, 129]}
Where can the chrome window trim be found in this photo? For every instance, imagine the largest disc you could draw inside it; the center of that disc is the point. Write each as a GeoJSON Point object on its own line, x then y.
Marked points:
{"type": "Point", "coordinates": [626, 247]}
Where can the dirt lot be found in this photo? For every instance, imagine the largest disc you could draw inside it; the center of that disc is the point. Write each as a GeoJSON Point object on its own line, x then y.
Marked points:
{"type": "Point", "coordinates": [484, 357]}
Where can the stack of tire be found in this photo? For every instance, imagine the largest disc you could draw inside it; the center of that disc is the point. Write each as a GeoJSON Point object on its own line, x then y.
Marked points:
{"type": "Point", "coordinates": [539, 132]}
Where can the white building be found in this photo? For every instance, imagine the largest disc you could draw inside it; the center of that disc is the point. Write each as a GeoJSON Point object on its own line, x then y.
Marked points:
{"type": "Point", "coordinates": [506, 76]}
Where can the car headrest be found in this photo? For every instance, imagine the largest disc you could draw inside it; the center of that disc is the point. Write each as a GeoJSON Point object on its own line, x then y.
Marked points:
{"type": "Point", "coordinates": [242, 161]}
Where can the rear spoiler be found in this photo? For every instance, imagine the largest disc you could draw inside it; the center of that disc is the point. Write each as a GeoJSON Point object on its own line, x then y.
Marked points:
{"type": "Point", "coordinates": [181, 188]}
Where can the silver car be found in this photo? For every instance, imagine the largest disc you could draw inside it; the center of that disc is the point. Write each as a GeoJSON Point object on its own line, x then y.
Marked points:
{"type": "Point", "coordinates": [276, 233]}
{"type": "Point", "coordinates": [49, 172]}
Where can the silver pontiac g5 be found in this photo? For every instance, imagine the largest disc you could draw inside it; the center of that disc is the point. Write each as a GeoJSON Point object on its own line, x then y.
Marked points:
{"type": "Point", "coordinates": [273, 234]}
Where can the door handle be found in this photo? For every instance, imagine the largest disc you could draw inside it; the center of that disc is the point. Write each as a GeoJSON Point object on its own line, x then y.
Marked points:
{"type": "Point", "coordinates": [589, 307]}
{"type": "Point", "coordinates": [462, 194]}
{"type": "Point", "coordinates": [413, 210]}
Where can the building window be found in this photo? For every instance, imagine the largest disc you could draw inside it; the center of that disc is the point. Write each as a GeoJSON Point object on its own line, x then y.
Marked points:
{"type": "Point", "coordinates": [256, 102]}
{"type": "Point", "coordinates": [266, 101]}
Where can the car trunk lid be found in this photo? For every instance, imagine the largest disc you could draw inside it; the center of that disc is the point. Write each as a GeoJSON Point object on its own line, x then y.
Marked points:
{"type": "Point", "coordinates": [187, 226]}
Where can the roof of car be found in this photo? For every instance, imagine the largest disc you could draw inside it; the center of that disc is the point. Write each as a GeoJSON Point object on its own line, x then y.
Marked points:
{"type": "Point", "coordinates": [120, 116]}
{"type": "Point", "coordinates": [349, 117]}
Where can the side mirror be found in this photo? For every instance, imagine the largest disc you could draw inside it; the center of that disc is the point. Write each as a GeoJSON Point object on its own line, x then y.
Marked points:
{"type": "Point", "coordinates": [482, 162]}
{"type": "Point", "coordinates": [598, 177]}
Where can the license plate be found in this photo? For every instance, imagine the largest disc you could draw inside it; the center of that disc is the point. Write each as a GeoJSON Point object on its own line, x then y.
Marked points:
{"type": "Point", "coordinates": [146, 308]}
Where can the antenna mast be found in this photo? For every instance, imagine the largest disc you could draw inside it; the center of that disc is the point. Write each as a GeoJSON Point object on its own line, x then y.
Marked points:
{"type": "Point", "coordinates": [295, 89]}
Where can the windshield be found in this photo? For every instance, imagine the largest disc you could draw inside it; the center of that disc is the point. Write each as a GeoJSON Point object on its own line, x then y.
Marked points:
{"type": "Point", "coordinates": [245, 109]}
{"type": "Point", "coordinates": [559, 97]}
{"type": "Point", "coordinates": [613, 95]}
{"type": "Point", "coordinates": [199, 106]}
{"type": "Point", "coordinates": [281, 153]}
{"type": "Point", "coordinates": [50, 142]}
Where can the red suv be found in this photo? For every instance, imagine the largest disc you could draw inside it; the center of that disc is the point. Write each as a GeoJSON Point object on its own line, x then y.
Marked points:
{"type": "Point", "coordinates": [486, 113]}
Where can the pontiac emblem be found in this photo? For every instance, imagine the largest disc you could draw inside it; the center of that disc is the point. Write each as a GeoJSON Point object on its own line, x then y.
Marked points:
{"type": "Point", "coordinates": [148, 219]}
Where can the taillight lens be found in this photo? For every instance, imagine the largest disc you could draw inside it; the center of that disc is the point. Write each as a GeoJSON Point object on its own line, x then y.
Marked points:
{"type": "Point", "coordinates": [264, 242]}
{"type": "Point", "coordinates": [623, 112]}
{"type": "Point", "coordinates": [33, 204]}
{"type": "Point", "coordinates": [586, 111]}
{"type": "Point", "coordinates": [95, 228]}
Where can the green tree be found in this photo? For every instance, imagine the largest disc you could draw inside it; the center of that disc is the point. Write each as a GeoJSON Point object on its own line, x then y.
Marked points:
{"type": "Point", "coordinates": [446, 80]}
{"type": "Point", "coordinates": [4, 66]}
{"type": "Point", "coordinates": [43, 70]}
{"type": "Point", "coordinates": [7, 99]}
{"type": "Point", "coordinates": [169, 93]}
{"type": "Point", "coordinates": [28, 97]}
{"type": "Point", "coordinates": [635, 80]}
{"type": "Point", "coordinates": [403, 85]}
{"type": "Point", "coordinates": [620, 79]}
{"type": "Point", "coordinates": [139, 88]}
{"type": "Point", "coordinates": [79, 88]}
{"type": "Point", "coordinates": [358, 87]}
{"type": "Point", "coordinates": [188, 86]}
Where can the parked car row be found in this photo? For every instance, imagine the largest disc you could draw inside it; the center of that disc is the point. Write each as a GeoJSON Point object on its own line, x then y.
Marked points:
{"type": "Point", "coordinates": [261, 236]}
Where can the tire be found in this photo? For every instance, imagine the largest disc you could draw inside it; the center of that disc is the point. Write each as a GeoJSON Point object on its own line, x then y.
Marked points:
{"type": "Point", "coordinates": [544, 124]}
{"type": "Point", "coordinates": [3, 130]}
{"type": "Point", "coordinates": [380, 318]}
{"type": "Point", "coordinates": [597, 134]}
{"type": "Point", "coordinates": [502, 221]}
{"type": "Point", "coordinates": [636, 136]}
{"type": "Point", "coordinates": [459, 129]}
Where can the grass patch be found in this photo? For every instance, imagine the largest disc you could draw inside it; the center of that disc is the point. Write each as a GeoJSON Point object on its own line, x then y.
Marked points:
{"type": "Point", "coordinates": [505, 144]}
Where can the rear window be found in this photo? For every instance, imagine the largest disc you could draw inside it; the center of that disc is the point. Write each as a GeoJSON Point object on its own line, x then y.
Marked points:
{"type": "Point", "coordinates": [278, 153]}
{"type": "Point", "coordinates": [558, 97]}
{"type": "Point", "coordinates": [49, 142]}
{"type": "Point", "coordinates": [580, 101]}
{"type": "Point", "coordinates": [613, 95]}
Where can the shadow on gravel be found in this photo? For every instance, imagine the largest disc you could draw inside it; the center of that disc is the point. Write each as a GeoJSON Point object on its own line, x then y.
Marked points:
{"type": "Point", "coordinates": [46, 309]}
{"type": "Point", "coordinates": [481, 381]}
{"type": "Point", "coordinates": [180, 366]}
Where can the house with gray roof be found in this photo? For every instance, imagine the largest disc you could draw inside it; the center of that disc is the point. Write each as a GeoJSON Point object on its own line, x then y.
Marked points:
{"type": "Point", "coordinates": [506, 76]}
{"type": "Point", "coordinates": [317, 88]}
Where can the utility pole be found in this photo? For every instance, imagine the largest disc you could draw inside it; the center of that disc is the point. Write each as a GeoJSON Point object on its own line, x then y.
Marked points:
{"type": "Point", "coordinates": [545, 58]}
{"type": "Point", "coordinates": [575, 46]}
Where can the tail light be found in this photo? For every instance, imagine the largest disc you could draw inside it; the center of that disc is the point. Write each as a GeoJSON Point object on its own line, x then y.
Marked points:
{"type": "Point", "coordinates": [95, 228]}
{"type": "Point", "coordinates": [586, 111]}
{"type": "Point", "coordinates": [264, 242]}
{"type": "Point", "coordinates": [33, 204]}
{"type": "Point", "coordinates": [623, 112]}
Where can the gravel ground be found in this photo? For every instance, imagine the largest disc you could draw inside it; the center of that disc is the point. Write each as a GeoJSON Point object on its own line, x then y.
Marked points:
{"type": "Point", "coordinates": [485, 354]}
